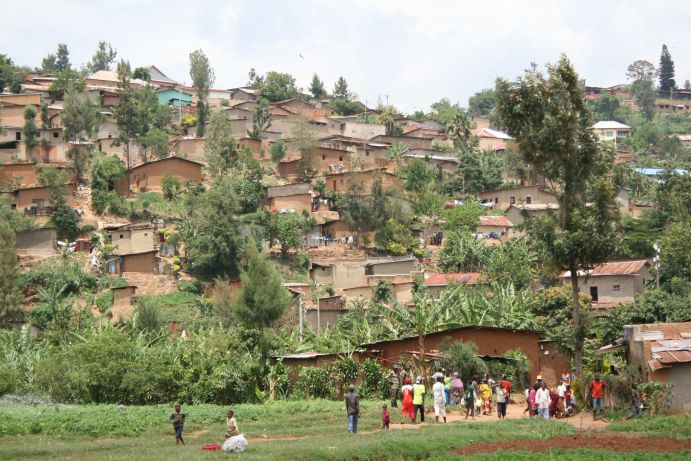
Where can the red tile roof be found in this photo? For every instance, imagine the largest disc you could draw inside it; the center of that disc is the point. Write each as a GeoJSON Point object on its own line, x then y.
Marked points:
{"type": "Point", "coordinates": [500, 221]}
{"type": "Point", "coordinates": [466, 278]}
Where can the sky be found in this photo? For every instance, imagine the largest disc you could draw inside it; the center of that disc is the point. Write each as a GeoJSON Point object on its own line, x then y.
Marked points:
{"type": "Point", "coordinates": [409, 53]}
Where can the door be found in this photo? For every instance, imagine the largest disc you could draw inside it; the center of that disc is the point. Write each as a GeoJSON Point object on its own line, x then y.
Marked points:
{"type": "Point", "coordinates": [593, 293]}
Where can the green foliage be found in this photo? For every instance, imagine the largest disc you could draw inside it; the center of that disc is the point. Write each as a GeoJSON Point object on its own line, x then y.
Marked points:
{"type": "Point", "coordinates": [66, 222]}
{"type": "Point", "coordinates": [10, 75]}
{"type": "Point", "coordinates": [66, 81]}
{"type": "Point", "coordinates": [463, 218]}
{"type": "Point", "coordinates": [17, 221]}
{"type": "Point", "coordinates": [387, 117]}
{"type": "Point", "coordinates": [340, 90]}
{"type": "Point", "coordinates": [286, 229]}
{"type": "Point", "coordinates": [105, 300]}
{"type": "Point", "coordinates": [643, 75]}
{"type": "Point", "coordinates": [10, 288]}
{"type": "Point", "coordinates": [203, 76]}
{"type": "Point", "coordinates": [374, 382]}
{"type": "Point", "coordinates": [141, 73]}
{"type": "Point", "coordinates": [221, 149]}
{"type": "Point", "coordinates": [667, 81]}
{"type": "Point", "coordinates": [147, 316]}
{"type": "Point", "coordinates": [444, 112]}
{"type": "Point", "coordinates": [278, 151]}
{"type": "Point", "coordinates": [346, 370]}
{"type": "Point", "coordinates": [155, 141]}
{"type": "Point", "coordinates": [482, 103]}
{"type": "Point", "coordinates": [476, 171]}
{"type": "Point", "coordinates": [463, 252]}
{"type": "Point", "coordinates": [29, 129]}
{"type": "Point", "coordinates": [511, 263]}
{"type": "Point", "coordinates": [517, 370]}
{"type": "Point", "coordinates": [345, 107]}
{"type": "Point", "coordinates": [675, 253]}
{"type": "Point", "coordinates": [192, 286]}
{"type": "Point", "coordinates": [462, 358]}
{"type": "Point", "coordinates": [170, 185]}
{"type": "Point", "coordinates": [317, 380]}
{"type": "Point", "coordinates": [317, 87]}
{"type": "Point", "coordinates": [383, 291]}
{"type": "Point", "coordinates": [103, 58]}
{"type": "Point", "coordinates": [278, 86]}
{"type": "Point", "coordinates": [261, 120]}
{"type": "Point", "coordinates": [55, 179]}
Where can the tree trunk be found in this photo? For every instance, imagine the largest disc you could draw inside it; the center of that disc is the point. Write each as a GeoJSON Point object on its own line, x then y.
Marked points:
{"type": "Point", "coordinates": [577, 330]}
{"type": "Point", "coordinates": [127, 155]}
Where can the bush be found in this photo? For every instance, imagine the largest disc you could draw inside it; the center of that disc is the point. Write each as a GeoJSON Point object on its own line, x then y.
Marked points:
{"type": "Point", "coordinates": [9, 379]}
{"type": "Point", "coordinates": [462, 358]}
{"type": "Point", "coordinates": [170, 185]}
{"type": "Point", "coordinates": [317, 380]}
{"type": "Point", "coordinates": [374, 382]}
{"type": "Point", "coordinates": [192, 286]}
{"type": "Point", "coordinates": [104, 301]}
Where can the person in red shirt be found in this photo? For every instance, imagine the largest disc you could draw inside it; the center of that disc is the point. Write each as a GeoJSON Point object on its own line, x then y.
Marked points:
{"type": "Point", "coordinates": [407, 408]}
{"type": "Point", "coordinates": [507, 387]}
{"type": "Point", "coordinates": [385, 417]}
{"type": "Point", "coordinates": [597, 392]}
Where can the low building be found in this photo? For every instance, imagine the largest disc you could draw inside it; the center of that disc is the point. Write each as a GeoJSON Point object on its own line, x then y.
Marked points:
{"type": "Point", "coordinates": [17, 174]}
{"type": "Point", "coordinates": [495, 227]}
{"type": "Point", "coordinates": [392, 266]}
{"type": "Point", "coordinates": [518, 213]}
{"type": "Point", "coordinates": [149, 176]}
{"type": "Point", "coordinates": [502, 199]}
{"type": "Point", "coordinates": [324, 314]}
{"type": "Point", "coordinates": [145, 262]}
{"type": "Point", "coordinates": [174, 97]}
{"type": "Point", "coordinates": [612, 131]}
{"type": "Point", "coordinates": [123, 303]}
{"type": "Point", "coordinates": [39, 242]}
{"type": "Point", "coordinates": [438, 283]}
{"type": "Point", "coordinates": [490, 139]}
{"type": "Point", "coordinates": [136, 237]}
{"type": "Point", "coordinates": [290, 197]}
{"type": "Point", "coordinates": [338, 182]}
{"type": "Point", "coordinates": [34, 200]}
{"type": "Point", "coordinates": [613, 283]}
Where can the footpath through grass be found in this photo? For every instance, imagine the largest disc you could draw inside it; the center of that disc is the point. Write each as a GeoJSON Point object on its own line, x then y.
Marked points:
{"type": "Point", "coordinates": [314, 430]}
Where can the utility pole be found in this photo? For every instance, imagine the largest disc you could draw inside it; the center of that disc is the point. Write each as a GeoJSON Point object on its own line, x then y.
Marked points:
{"type": "Point", "coordinates": [656, 263]}
{"type": "Point", "coordinates": [319, 322]}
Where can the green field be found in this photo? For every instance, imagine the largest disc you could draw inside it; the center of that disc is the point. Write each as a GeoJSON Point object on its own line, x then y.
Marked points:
{"type": "Point", "coordinates": [313, 430]}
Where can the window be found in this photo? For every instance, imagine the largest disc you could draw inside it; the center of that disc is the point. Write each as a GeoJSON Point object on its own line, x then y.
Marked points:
{"type": "Point", "coordinates": [528, 199]}
{"type": "Point", "coordinates": [609, 134]}
{"type": "Point", "coordinates": [512, 200]}
{"type": "Point", "coordinates": [341, 182]}
{"type": "Point", "coordinates": [18, 136]}
{"type": "Point", "coordinates": [37, 135]}
{"type": "Point", "coordinates": [56, 134]}
{"type": "Point", "coordinates": [122, 236]}
{"type": "Point", "coordinates": [323, 157]}
{"type": "Point", "coordinates": [593, 293]}
{"type": "Point", "coordinates": [616, 288]}
{"type": "Point", "coordinates": [340, 158]}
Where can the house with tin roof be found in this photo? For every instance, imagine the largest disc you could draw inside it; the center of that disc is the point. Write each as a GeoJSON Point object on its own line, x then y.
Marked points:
{"type": "Point", "coordinates": [437, 283]}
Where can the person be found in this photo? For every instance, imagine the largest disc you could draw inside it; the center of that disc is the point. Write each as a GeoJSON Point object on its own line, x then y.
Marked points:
{"type": "Point", "coordinates": [178, 420]}
{"type": "Point", "coordinates": [470, 400]}
{"type": "Point", "coordinates": [597, 392]}
{"type": "Point", "coordinates": [407, 402]}
{"type": "Point", "coordinates": [385, 418]}
{"type": "Point", "coordinates": [556, 408]}
{"type": "Point", "coordinates": [439, 399]}
{"type": "Point", "coordinates": [566, 377]}
{"type": "Point", "coordinates": [231, 425]}
{"type": "Point", "coordinates": [456, 389]}
{"type": "Point", "coordinates": [395, 382]}
{"type": "Point", "coordinates": [352, 402]}
{"type": "Point", "coordinates": [561, 389]}
{"type": "Point", "coordinates": [526, 395]}
{"type": "Point", "coordinates": [507, 387]}
{"type": "Point", "coordinates": [485, 392]}
{"type": "Point", "coordinates": [543, 401]}
{"type": "Point", "coordinates": [447, 388]}
{"type": "Point", "coordinates": [502, 400]}
{"type": "Point", "coordinates": [635, 402]}
{"type": "Point", "coordinates": [440, 372]}
{"type": "Point", "coordinates": [121, 406]}
{"type": "Point", "coordinates": [533, 402]}
{"type": "Point", "coordinates": [419, 399]}
{"type": "Point", "coordinates": [568, 400]}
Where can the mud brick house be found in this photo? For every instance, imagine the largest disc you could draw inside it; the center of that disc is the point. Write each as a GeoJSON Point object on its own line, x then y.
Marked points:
{"type": "Point", "coordinates": [136, 237]}
{"type": "Point", "coordinates": [338, 182]}
{"type": "Point", "coordinates": [324, 315]}
{"type": "Point", "coordinates": [145, 262]}
{"type": "Point", "coordinates": [661, 352]}
{"type": "Point", "coordinates": [437, 283]}
{"type": "Point", "coordinates": [33, 200]}
{"type": "Point", "coordinates": [38, 242]}
{"type": "Point", "coordinates": [491, 139]}
{"type": "Point", "coordinates": [123, 303]}
{"type": "Point", "coordinates": [148, 176]}
{"type": "Point", "coordinates": [519, 212]}
{"type": "Point", "coordinates": [612, 283]}
{"type": "Point", "coordinates": [22, 174]}
{"type": "Point", "coordinates": [415, 142]}
{"type": "Point", "coordinates": [295, 197]}
{"type": "Point", "coordinates": [495, 227]}
{"type": "Point", "coordinates": [392, 266]}
{"type": "Point", "coordinates": [441, 160]}
{"type": "Point", "coordinates": [502, 199]}
{"type": "Point", "coordinates": [490, 341]}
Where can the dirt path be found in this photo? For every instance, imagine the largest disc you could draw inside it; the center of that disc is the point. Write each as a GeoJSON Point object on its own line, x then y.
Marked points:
{"type": "Point", "coordinates": [611, 442]}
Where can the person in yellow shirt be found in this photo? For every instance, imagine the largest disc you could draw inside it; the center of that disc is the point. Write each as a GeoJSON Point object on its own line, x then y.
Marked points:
{"type": "Point", "coordinates": [419, 399]}
{"type": "Point", "coordinates": [485, 392]}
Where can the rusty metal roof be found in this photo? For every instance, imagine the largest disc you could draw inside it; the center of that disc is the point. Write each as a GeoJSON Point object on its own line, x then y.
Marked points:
{"type": "Point", "coordinates": [464, 278]}
{"type": "Point", "coordinates": [620, 268]}
{"type": "Point", "coordinates": [500, 221]}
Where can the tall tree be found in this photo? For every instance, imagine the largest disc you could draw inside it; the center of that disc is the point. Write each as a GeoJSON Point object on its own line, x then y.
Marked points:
{"type": "Point", "coordinates": [62, 60]}
{"type": "Point", "coordinates": [263, 299]}
{"type": "Point", "coordinates": [341, 89]}
{"type": "Point", "coordinates": [317, 87]}
{"type": "Point", "coordinates": [203, 77]}
{"type": "Point", "coordinates": [220, 149]}
{"type": "Point", "coordinates": [667, 82]}
{"type": "Point", "coordinates": [10, 75]}
{"type": "Point", "coordinates": [550, 120]}
{"type": "Point", "coordinates": [103, 58]}
{"type": "Point", "coordinates": [481, 103]}
{"type": "Point", "coordinates": [67, 80]}
{"type": "Point", "coordinates": [127, 113]}
{"type": "Point", "coordinates": [643, 75]}
{"type": "Point", "coordinates": [460, 131]}
{"type": "Point", "coordinates": [388, 117]}
{"type": "Point", "coordinates": [10, 288]}
{"type": "Point", "coordinates": [261, 119]}
{"type": "Point", "coordinates": [80, 120]}
{"type": "Point", "coordinates": [48, 63]}
{"type": "Point", "coordinates": [29, 129]}
{"type": "Point", "coordinates": [278, 86]}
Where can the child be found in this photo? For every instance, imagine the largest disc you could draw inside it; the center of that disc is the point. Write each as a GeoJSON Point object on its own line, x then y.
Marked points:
{"type": "Point", "coordinates": [568, 400]}
{"type": "Point", "coordinates": [178, 420]}
{"type": "Point", "coordinates": [231, 425]}
{"type": "Point", "coordinates": [470, 400]}
{"type": "Point", "coordinates": [385, 418]}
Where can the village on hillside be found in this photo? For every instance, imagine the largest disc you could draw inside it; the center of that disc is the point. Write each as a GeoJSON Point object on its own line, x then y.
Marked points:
{"type": "Point", "coordinates": [282, 231]}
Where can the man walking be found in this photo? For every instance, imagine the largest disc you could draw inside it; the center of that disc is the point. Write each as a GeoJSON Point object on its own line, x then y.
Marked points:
{"type": "Point", "coordinates": [597, 392]}
{"type": "Point", "coordinates": [439, 399]}
{"type": "Point", "coordinates": [352, 401]}
{"type": "Point", "coordinates": [395, 383]}
{"type": "Point", "coordinates": [419, 399]}
{"type": "Point", "coordinates": [543, 401]}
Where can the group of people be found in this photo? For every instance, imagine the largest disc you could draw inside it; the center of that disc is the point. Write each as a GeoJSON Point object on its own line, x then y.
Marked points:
{"type": "Point", "coordinates": [233, 435]}
{"type": "Point", "coordinates": [543, 402]}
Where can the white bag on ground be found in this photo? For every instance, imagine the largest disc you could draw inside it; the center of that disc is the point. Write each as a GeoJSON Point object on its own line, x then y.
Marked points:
{"type": "Point", "coordinates": [235, 444]}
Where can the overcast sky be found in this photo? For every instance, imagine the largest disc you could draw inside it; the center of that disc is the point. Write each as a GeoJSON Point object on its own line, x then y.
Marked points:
{"type": "Point", "coordinates": [416, 52]}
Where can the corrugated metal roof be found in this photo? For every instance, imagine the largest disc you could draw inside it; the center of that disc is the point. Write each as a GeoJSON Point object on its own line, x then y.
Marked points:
{"type": "Point", "coordinates": [613, 268]}
{"type": "Point", "coordinates": [610, 125]}
{"type": "Point", "coordinates": [466, 278]}
{"type": "Point", "coordinates": [490, 133]}
{"type": "Point", "coordinates": [495, 221]}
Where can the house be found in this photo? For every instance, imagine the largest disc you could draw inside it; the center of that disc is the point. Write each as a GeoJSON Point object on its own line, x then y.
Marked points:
{"type": "Point", "coordinates": [655, 174]}
{"type": "Point", "coordinates": [33, 200]}
{"type": "Point", "coordinates": [148, 176]}
{"type": "Point", "coordinates": [401, 288]}
{"type": "Point", "coordinates": [415, 142]}
{"type": "Point", "coordinates": [497, 227]}
{"type": "Point", "coordinates": [612, 131]}
{"type": "Point", "coordinates": [324, 314]}
{"type": "Point", "coordinates": [344, 274]}
{"type": "Point", "coordinates": [123, 303]}
{"type": "Point", "coordinates": [392, 266]}
{"type": "Point", "coordinates": [441, 160]}
{"type": "Point", "coordinates": [543, 356]}
{"type": "Point", "coordinates": [291, 197]}
{"type": "Point", "coordinates": [136, 237]}
{"type": "Point", "coordinates": [502, 199]}
{"type": "Point", "coordinates": [145, 262]}
{"type": "Point", "coordinates": [518, 213]}
{"type": "Point", "coordinates": [437, 283]}
{"type": "Point", "coordinates": [328, 159]}
{"type": "Point", "coordinates": [490, 139]}
{"type": "Point", "coordinates": [38, 242]}
{"type": "Point", "coordinates": [613, 283]}
{"type": "Point", "coordinates": [174, 97]}
{"type": "Point", "coordinates": [244, 94]}
{"type": "Point", "coordinates": [160, 79]}
{"type": "Point", "coordinates": [17, 174]}
{"type": "Point", "coordinates": [661, 352]}
{"type": "Point", "coordinates": [338, 182]}
{"type": "Point", "coordinates": [109, 80]}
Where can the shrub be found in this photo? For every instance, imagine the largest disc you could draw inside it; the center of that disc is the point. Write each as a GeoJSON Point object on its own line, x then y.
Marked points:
{"type": "Point", "coordinates": [374, 382]}
{"type": "Point", "coordinates": [104, 300]}
{"type": "Point", "coordinates": [317, 380]}
{"type": "Point", "coordinates": [462, 358]}
{"type": "Point", "coordinates": [147, 316]}
{"type": "Point", "coordinates": [192, 286]}
{"type": "Point", "coordinates": [170, 185]}
{"type": "Point", "coordinates": [9, 380]}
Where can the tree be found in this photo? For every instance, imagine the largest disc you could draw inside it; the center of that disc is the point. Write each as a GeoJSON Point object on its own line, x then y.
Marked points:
{"type": "Point", "coordinates": [317, 87]}
{"type": "Point", "coordinates": [48, 63]}
{"type": "Point", "coordinates": [279, 86]}
{"type": "Point", "coordinates": [606, 107]}
{"type": "Point", "coordinates": [58, 62]}
{"type": "Point", "coordinates": [44, 114]}
{"type": "Point", "coordinates": [29, 129]}
{"type": "Point", "coordinates": [476, 172]}
{"type": "Point", "coordinates": [255, 81]}
{"type": "Point", "coordinates": [66, 222]}
{"type": "Point", "coordinates": [261, 120]}
{"type": "Point", "coordinates": [667, 82]}
{"type": "Point", "coordinates": [341, 89]}
{"type": "Point", "coordinates": [103, 58]}
{"type": "Point", "coordinates": [221, 149]}
{"type": "Point", "coordinates": [262, 300]}
{"type": "Point", "coordinates": [463, 218]}
{"type": "Point", "coordinates": [395, 152]}
{"type": "Point", "coordinates": [345, 107]}
{"type": "Point", "coordinates": [460, 131]}
{"type": "Point", "coordinates": [643, 75]}
{"type": "Point", "coordinates": [463, 252]}
{"type": "Point", "coordinates": [55, 180]}
{"type": "Point", "coordinates": [277, 150]}
{"type": "Point", "coordinates": [10, 288]}
{"type": "Point", "coordinates": [511, 262]}
{"type": "Point", "coordinates": [80, 120]}
{"type": "Point", "coordinates": [10, 75]}
{"type": "Point", "coordinates": [388, 117]}
{"type": "Point", "coordinates": [482, 103]}
{"type": "Point", "coordinates": [106, 172]}
{"type": "Point", "coordinates": [550, 121]}
{"type": "Point", "coordinates": [444, 112]}
{"type": "Point", "coordinates": [675, 253]}
{"type": "Point", "coordinates": [155, 141]}
{"type": "Point", "coordinates": [141, 73]}
{"type": "Point", "coordinates": [128, 115]}
{"type": "Point", "coordinates": [203, 77]}
{"type": "Point", "coordinates": [66, 81]}
{"type": "Point", "coordinates": [305, 143]}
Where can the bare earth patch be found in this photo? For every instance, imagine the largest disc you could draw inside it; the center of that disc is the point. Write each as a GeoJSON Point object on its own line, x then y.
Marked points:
{"type": "Point", "coordinates": [617, 443]}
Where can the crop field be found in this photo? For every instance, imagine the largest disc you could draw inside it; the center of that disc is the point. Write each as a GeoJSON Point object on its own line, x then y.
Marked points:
{"type": "Point", "coordinates": [316, 430]}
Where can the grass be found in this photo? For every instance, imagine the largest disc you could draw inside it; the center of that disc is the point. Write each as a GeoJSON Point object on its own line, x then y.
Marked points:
{"type": "Point", "coordinates": [314, 430]}
{"type": "Point", "coordinates": [677, 426]}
